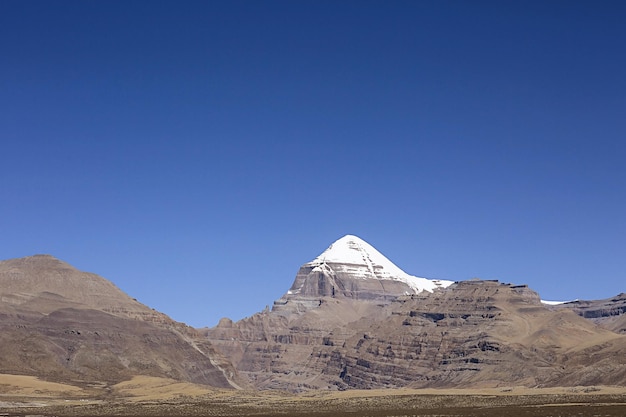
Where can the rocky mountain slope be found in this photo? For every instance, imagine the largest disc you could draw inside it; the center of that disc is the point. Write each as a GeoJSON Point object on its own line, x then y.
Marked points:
{"type": "Point", "coordinates": [609, 313]}
{"type": "Point", "coordinates": [352, 319]}
{"type": "Point", "coordinates": [62, 324]}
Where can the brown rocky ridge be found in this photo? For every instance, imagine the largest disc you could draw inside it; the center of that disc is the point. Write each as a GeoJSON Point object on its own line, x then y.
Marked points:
{"type": "Point", "coordinates": [609, 313]}
{"type": "Point", "coordinates": [62, 324]}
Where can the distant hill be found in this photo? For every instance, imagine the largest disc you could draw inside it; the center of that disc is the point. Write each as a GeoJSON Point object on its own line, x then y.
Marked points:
{"type": "Point", "coordinates": [62, 324]}
{"type": "Point", "coordinates": [609, 313]}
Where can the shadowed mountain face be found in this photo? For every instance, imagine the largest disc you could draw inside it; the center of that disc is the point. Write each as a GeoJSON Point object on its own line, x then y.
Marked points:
{"type": "Point", "coordinates": [59, 323]}
{"type": "Point", "coordinates": [354, 324]}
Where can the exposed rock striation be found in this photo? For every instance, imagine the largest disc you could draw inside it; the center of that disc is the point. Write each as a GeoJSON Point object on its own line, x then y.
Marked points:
{"type": "Point", "coordinates": [351, 269]}
{"type": "Point", "coordinates": [609, 313]}
{"type": "Point", "coordinates": [477, 333]}
{"type": "Point", "coordinates": [352, 319]}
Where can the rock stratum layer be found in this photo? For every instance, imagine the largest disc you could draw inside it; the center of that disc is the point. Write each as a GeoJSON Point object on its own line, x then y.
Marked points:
{"type": "Point", "coordinates": [609, 313]}
{"type": "Point", "coordinates": [363, 324]}
{"type": "Point", "coordinates": [351, 320]}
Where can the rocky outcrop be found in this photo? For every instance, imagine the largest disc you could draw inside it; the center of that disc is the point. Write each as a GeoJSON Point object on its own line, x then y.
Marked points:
{"type": "Point", "coordinates": [477, 333]}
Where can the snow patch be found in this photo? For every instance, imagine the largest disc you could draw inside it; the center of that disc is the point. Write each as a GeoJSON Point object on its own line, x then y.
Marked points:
{"type": "Point", "coordinates": [556, 303]}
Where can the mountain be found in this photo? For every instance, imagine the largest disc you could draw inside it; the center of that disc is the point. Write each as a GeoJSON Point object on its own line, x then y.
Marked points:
{"type": "Point", "coordinates": [609, 313]}
{"type": "Point", "coordinates": [475, 333]}
{"type": "Point", "coordinates": [352, 258]}
{"type": "Point", "coordinates": [349, 281]}
{"type": "Point", "coordinates": [61, 324]}
{"type": "Point", "coordinates": [352, 269]}
{"type": "Point", "coordinates": [352, 319]}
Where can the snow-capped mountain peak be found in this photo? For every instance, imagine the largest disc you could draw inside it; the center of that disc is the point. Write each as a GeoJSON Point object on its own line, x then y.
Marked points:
{"type": "Point", "coordinates": [353, 255]}
{"type": "Point", "coordinates": [351, 249]}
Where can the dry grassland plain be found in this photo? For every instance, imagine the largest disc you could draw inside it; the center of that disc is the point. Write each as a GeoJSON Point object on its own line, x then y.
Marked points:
{"type": "Point", "coordinates": [156, 397]}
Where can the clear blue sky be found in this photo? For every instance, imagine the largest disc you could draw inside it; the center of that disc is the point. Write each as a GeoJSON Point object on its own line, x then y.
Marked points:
{"type": "Point", "coordinates": [197, 153]}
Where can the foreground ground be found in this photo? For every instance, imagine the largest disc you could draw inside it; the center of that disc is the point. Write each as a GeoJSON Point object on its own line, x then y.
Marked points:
{"type": "Point", "coordinates": [154, 397]}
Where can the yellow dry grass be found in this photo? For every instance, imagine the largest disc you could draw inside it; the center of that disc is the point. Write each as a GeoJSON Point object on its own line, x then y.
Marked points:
{"type": "Point", "coordinates": [152, 389]}
{"type": "Point", "coordinates": [143, 388]}
{"type": "Point", "coordinates": [147, 388]}
{"type": "Point", "coordinates": [511, 391]}
{"type": "Point", "coordinates": [30, 386]}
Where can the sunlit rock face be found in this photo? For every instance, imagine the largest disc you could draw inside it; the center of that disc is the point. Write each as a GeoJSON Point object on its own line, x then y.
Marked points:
{"type": "Point", "coordinates": [354, 320]}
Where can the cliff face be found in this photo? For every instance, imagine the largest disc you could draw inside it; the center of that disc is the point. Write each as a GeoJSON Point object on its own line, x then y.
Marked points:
{"type": "Point", "coordinates": [478, 333]}
{"type": "Point", "coordinates": [333, 279]}
{"type": "Point", "coordinates": [481, 333]}
{"type": "Point", "coordinates": [59, 323]}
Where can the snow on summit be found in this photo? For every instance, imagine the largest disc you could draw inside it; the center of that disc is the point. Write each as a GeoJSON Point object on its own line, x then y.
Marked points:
{"type": "Point", "coordinates": [353, 255]}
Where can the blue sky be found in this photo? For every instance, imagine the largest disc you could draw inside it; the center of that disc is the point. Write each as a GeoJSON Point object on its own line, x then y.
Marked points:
{"type": "Point", "coordinates": [197, 153]}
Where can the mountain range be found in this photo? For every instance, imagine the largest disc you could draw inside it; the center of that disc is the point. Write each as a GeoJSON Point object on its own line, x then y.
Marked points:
{"type": "Point", "coordinates": [351, 320]}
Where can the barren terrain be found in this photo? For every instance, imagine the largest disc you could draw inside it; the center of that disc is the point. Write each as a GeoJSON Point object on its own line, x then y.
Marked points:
{"type": "Point", "coordinates": [150, 396]}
